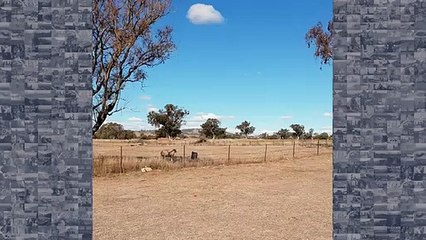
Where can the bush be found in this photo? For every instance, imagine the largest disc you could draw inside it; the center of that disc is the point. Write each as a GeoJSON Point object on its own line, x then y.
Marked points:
{"type": "Point", "coordinates": [114, 131]}
{"type": "Point", "coordinates": [322, 136]}
{"type": "Point", "coordinates": [201, 140]}
{"type": "Point", "coordinates": [232, 136]}
{"type": "Point", "coordinates": [143, 136]}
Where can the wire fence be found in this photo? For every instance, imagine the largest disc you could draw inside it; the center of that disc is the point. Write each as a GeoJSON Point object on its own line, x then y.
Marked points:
{"type": "Point", "coordinates": [125, 157]}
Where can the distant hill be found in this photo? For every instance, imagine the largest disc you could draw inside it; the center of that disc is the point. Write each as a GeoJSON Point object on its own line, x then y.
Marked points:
{"type": "Point", "coordinates": [191, 131]}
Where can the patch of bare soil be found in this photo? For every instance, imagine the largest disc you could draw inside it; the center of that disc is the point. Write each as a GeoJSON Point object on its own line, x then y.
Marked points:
{"type": "Point", "coordinates": [291, 199]}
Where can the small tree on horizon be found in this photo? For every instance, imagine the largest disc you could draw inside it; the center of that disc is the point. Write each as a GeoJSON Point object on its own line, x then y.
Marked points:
{"type": "Point", "coordinates": [298, 130]}
{"type": "Point", "coordinates": [323, 136]}
{"type": "Point", "coordinates": [264, 135]}
{"type": "Point", "coordinates": [283, 133]}
{"type": "Point", "coordinates": [169, 120]}
{"type": "Point", "coordinates": [211, 129]}
{"type": "Point", "coordinates": [245, 128]}
{"type": "Point", "coordinates": [309, 134]}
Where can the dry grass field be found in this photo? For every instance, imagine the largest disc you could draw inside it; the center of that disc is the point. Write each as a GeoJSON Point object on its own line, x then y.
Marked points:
{"type": "Point", "coordinates": [286, 199]}
{"type": "Point", "coordinates": [136, 154]}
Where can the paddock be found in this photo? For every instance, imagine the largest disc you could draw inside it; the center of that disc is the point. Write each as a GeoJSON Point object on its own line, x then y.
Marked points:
{"type": "Point", "coordinates": [289, 199]}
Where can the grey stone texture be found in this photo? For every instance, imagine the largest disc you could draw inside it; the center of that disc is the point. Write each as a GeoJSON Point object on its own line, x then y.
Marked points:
{"type": "Point", "coordinates": [45, 119]}
{"type": "Point", "coordinates": [379, 125]}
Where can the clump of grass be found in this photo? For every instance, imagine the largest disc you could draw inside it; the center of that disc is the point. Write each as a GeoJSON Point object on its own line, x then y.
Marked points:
{"type": "Point", "coordinates": [108, 165]}
{"type": "Point", "coordinates": [159, 164]}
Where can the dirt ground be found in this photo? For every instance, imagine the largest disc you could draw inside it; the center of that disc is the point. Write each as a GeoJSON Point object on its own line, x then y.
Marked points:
{"type": "Point", "coordinates": [290, 199]}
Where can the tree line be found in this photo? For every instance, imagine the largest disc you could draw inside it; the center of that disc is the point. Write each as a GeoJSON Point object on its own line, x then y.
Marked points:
{"type": "Point", "coordinates": [169, 121]}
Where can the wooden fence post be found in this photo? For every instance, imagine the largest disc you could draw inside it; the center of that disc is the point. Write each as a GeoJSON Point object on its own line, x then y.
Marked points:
{"type": "Point", "coordinates": [184, 157]}
{"type": "Point", "coordinates": [229, 154]}
{"type": "Point", "coordinates": [294, 147]}
{"type": "Point", "coordinates": [318, 147]}
{"type": "Point", "coordinates": [103, 166]}
{"type": "Point", "coordinates": [121, 159]}
{"type": "Point", "coordinates": [266, 150]}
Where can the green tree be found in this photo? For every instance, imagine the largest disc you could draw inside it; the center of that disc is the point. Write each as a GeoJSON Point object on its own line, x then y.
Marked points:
{"type": "Point", "coordinates": [211, 129]}
{"type": "Point", "coordinates": [323, 135]}
{"type": "Point", "coordinates": [114, 131]}
{"type": "Point", "coordinates": [245, 128]}
{"type": "Point", "coordinates": [169, 120]}
{"type": "Point", "coordinates": [298, 130]}
{"type": "Point", "coordinates": [109, 131]}
{"type": "Point", "coordinates": [309, 134]}
{"type": "Point", "coordinates": [283, 133]}
{"type": "Point", "coordinates": [126, 134]}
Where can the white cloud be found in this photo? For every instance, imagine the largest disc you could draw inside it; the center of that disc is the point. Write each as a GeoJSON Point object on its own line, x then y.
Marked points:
{"type": "Point", "coordinates": [328, 130]}
{"type": "Point", "coordinates": [269, 132]}
{"type": "Point", "coordinates": [201, 117]}
{"type": "Point", "coordinates": [135, 119]}
{"type": "Point", "coordinates": [286, 117]}
{"type": "Point", "coordinates": [150, 108]}
{"type": "Point", "coordinates": [204, 14]}
{"type": "Point", "coordinates": [232, 130]}
{"type": "Point", "coordinates": [145, 97]}
{"type": "Point", "coordinates": [190, 125]}
{"type": "Point", "coordinates": [327, 114]}
{"type": "Point", "coordinates": [137, 126]}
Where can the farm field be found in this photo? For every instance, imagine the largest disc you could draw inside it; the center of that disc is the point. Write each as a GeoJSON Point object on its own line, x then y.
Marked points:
{"type": "Point", "coordinates": [287, 199]}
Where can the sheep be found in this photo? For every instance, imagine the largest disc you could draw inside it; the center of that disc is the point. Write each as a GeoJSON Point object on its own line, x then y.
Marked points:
{"type": "Point", "coordinates": [168, 154]}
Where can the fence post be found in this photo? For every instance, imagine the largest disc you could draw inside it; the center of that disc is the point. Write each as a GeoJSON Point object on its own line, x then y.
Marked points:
{"type": "Point", "coordinates": [121, 159]}
{"type": "Point", "coordinates": [184, 157]}
{"type": "Point", "coordinates": [229, 154]}
{"type": "Point", "coordinates": [266, 150]}
{"type": "Point", "coordinates": [294, 147]}
{"type": "Point", "coordinates": [318, 147]}
{"type": "Point", "coordinates": [103, 166]}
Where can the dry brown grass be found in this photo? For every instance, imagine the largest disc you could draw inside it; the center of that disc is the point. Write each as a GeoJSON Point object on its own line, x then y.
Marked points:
{"type": "Point", "coordinates": [289, 199]}
{"type": "Point", "coordinates": [136, 154]}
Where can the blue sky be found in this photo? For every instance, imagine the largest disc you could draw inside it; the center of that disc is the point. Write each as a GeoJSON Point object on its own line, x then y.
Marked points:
{"type": "Point", "coordinates": [246, 60]}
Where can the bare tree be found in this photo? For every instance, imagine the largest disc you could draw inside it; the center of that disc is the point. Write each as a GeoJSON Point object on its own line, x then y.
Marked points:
{"type": "Point", "coordinates": [123, 46]}
{"type": "Point", "coordinates": [322, 40]}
